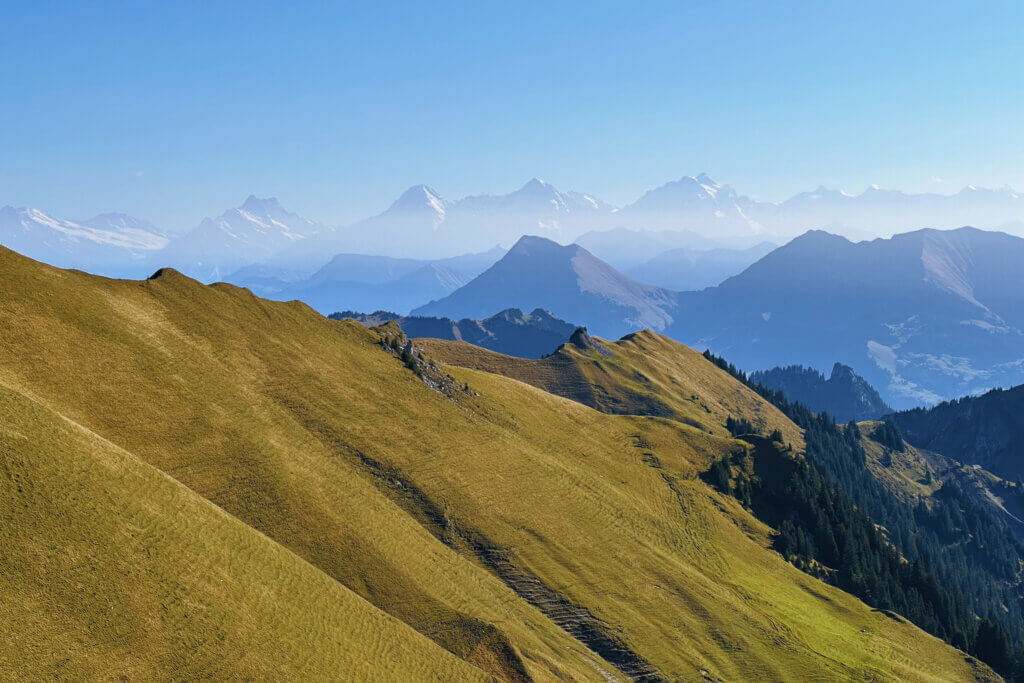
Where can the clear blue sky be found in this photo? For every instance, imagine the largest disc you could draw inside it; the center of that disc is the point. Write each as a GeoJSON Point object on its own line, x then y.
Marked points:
{"type": "Point", "coordinates": [172, 111]}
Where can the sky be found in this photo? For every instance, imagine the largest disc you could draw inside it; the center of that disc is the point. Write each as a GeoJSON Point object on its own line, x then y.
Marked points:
{"type": "Point", "coordinates": [175, 111]}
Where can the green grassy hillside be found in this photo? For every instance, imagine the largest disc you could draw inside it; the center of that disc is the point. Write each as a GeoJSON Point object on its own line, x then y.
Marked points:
{"type": "Point", "coordinates": [527, 535]}
{"type": "Point", "coordinates": [642, 374]}
{"type": "Point", "coordinates": [112, 567]}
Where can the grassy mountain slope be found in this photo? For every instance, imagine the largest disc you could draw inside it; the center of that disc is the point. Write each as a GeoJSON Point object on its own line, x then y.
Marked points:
{"type": "Point", "coordinates": [643, 373]}
{"type": "Point", "coordinates": [105, 559]}
{"type": "Point", "coordinates": [529, 535]}
{"type": "Point", "coordinates": [917, 475]}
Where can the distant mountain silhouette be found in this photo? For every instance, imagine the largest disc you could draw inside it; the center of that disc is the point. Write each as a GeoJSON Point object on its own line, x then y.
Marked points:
{"type": "Point", "coordinates": [691, 269]}
{"type": "Point", "coordinates": [845, 395]}
{"type": "Point", "coordinates": [367, 283]}
{"type": "Point", "coordinates": [512, 332]}
{"type": "Point", "coordinates": [923, 316]}
{"type": "Point", "coordinates": [624, 248]}
{"type": "Point", "coordinates": [568, 281]}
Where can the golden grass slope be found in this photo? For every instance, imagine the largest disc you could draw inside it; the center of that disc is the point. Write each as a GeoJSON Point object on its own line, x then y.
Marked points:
{"type": "Point", "coordinates": [646, 373]}
{"type": "Point", "coordinates": [110, 566]}
{"type": "Point", "coordinates": [519, 531]}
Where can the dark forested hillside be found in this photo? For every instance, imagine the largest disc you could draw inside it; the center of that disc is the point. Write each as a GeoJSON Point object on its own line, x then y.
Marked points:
{"type": "Point", "coordinates": [845, 395]}
{"type": "Point", "coordinates": [961, 579]}
{"type": "Point", "coordinates": [986, 430]}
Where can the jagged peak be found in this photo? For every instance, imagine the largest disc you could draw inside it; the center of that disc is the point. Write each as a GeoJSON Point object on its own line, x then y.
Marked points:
{"type": "Point", "coordinates": [254, 204]}
{"type": "Point", "coordinates": [581, 339]}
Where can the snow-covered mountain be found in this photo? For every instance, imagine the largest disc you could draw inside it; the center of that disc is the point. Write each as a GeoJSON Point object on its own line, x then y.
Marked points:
{"type": "Point", "coordinates": [882, 212]}
{"type": "Point", "coordinates": [251, 233]}
{"type": "Point", "coordinates": [697, 204]}
{"type": "Point", "coordinates": [692, 212]}
{"type": "Point", "coordinates": [422, 224]}
{"type": "Point", "coordinates": [108, 244]}
{"type": "Point", "coordinates": [701, 205]}
{"type": "Point", "coordinates": [537, 208]}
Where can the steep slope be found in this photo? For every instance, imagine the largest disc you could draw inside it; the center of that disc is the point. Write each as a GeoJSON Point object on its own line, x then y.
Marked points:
{"type": "Point", "coordinates": [110, 567]}
{"type": "Point", "coordinates": [922, 316]}
{"type": "Point", "coordinates": [568, 281]}
{"type": "Point", "coordinates": [981, 430]}
{"type": "Point", "coordinates": [112, 244]}
{"type": "Point", "coordinates": [527, 534]}
{"type": "Point", "coordinates": [512, 332]}
{"type": "Point", "coordinates": [845, 395]}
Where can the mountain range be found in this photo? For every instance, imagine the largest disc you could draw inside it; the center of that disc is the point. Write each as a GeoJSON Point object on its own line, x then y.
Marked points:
{"type": "Point", "coordinates": [692, 212]}
{"type": "Point", "coordinates": [368, 283]}
{"type": "Point", "coordinates": [254, 232]}
{"type": "Point", "coordinates": [230, 487]}
{"type": "Point", "coordinates": [692, 269]}
{"type": "Point", "coordinates": [111, 243]}
{"type": "Point", "coordinates": [923, 316]}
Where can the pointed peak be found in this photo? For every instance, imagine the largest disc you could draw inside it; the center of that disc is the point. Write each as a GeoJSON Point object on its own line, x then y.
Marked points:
{"type": "Point", "coordinates": [419, 197]}
{"type": "Point", "coordinates": [582, 340]}
{"type": "Point", "coordinates": [536, 186]}
{"type": "Point", "coordinates": [705, 179]}
{"type": "Point", "coordinates": [840, 370]}
{"type": "Point", "coordinates": [528, 244]}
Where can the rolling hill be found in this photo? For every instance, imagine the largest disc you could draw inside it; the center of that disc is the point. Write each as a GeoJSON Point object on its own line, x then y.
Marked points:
{"type": "Point", "coordinates": [170, 444]}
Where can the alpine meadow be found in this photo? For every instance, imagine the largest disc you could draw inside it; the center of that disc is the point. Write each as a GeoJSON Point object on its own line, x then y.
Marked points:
{"type": "Point", "coordinates": [306, 374]}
